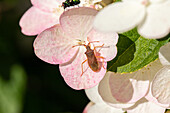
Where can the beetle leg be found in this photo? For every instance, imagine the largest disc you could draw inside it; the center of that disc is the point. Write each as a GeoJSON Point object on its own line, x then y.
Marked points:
{"type": "Point", "coordinates": [82, 66]}
{"type": "Point", "coordinates": [102, 60]}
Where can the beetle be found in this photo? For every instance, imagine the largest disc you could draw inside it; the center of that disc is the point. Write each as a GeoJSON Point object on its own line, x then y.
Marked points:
{"type": "Point", "coordinates": [69, 3]}
{"type": "Point", "coordinates": [91, 57]}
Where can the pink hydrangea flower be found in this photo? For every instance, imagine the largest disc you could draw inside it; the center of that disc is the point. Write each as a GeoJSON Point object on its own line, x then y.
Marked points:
{"type": "Point", "coordinates": [132, 91]}
{"type": "Point", "coordinates": [60, 45]}
{"type": "Point", "coordinates": [45, 14]}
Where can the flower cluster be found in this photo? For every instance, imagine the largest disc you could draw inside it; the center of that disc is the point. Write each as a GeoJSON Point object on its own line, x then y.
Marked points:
{"type": "Point", "coordinates": [81, 41]}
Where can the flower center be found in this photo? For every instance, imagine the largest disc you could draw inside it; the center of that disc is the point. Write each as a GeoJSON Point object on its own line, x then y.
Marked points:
{"type": "Point", "coordinates": [145, 2]}
{"type": "Point", "coordinates": [59, 10]}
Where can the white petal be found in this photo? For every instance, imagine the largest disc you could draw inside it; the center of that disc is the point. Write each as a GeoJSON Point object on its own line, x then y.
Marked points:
{"type": "Point", "coordinates": [156, 1]}
{"type": "Point", "coordinates": [161, 85]}
{"type": "Point", "coordinates": [164, 55]}
{"type": "Point", "coordinates": [93, 94]}
{"type": "Point", "coordinates": [144, 106]}
{"type": "Point", "coordinates": [127, 88]}
{"type": "Point", "coordinates": [120, 16]}
{"type": "Point", "coordinates": [150, 97]}
{"type": "Point", "coordinates": [157, 22]}
{"type": "Point", "coordinates": [103, 108]}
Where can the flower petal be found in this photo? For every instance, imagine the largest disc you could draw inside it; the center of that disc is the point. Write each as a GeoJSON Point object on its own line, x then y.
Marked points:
{"type": "Point", "coordinates": [135, 85]}
{"type": "Point", "coordinates": [93, 94]}
{"type": "Point", "coordinates": [78, 21]}
{"type": "Point", "coordinates": [156, 24]}
{"type": "Point", "coordinates": [150, 97]}
{"type": "Point", "coordinates": [144, 106]}
{"type": "Point", "coordinates": [120, 16]}
{"type": "Point", "coordinates": [47, 5]}
{"type": "Point", "coordinates": [53, 46]}
{"type": "Point", "coordinates": [72, 71]}
{"type": "Point", "coordinates": [103, 108]}
{"type": "Point", "coordinates": [161, 85]}
{"type": "Point", "coordinates": [109, 49]}
{"type": "Point", "coordinates": [164, 55]}
{"type": "Point", "coordinates": [34, 21]}
{"type": "Point", "coordinates": [87, 107]}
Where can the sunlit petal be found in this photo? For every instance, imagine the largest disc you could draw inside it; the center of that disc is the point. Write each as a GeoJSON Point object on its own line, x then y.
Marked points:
{"type": "Point", "coordinates": [120, 16]}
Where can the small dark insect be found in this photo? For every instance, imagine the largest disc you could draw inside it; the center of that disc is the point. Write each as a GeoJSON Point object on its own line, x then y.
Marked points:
{"type": "Point", "coordinates": [69, 3]}
{"type": "Point", "coordinates": [91, 57]}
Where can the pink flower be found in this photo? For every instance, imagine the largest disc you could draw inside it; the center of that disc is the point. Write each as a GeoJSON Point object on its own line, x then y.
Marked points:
{"type": "Point", "coordinates": [61, 45]}
{"type": "Point", "coordinates": [45, 14]}
{"type": "Point", "coordinates": [42, 15]}
{"type": "Point", "coordinates": [132, 91]}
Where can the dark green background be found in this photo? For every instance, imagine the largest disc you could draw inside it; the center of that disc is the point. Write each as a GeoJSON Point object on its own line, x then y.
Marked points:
{"type": "Point", "coordinates": [46, 91]}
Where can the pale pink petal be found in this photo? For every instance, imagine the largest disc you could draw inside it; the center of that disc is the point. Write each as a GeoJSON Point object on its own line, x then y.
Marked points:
{"type": "Point", "coordinates": [120, 16]}
{"type": "Point", "coordinates": [106, 94]}
{"type": "Point", "coordinates": [135, 85]}
{"type": "Point", "coordinates": [161, 85]}
{"type": "Point", "coordinates": [54, 46]}
{"type": "Point", "coordinates": [71, 72]}
{"type": "Point", "coordinates": [78, 21]}
{"type": "Point", "coordinates": [103, 108]}
{"type": "Point", "coordinates": [47, 5]}
{"type": "Point", "coordinates": [93, 94]}
{"type": "Point", "coordinates": [156, 24]}
{"type": "Point", "coordinates": [144, 106]}
{"type": "Point", "coordinates": [109, 49]}
{"type": "Point", "coordinates": [164, 55]}
{"type": "Point", "coordinates": [34, 21]}
{"type": "Point", "coordinates": [150, 97]}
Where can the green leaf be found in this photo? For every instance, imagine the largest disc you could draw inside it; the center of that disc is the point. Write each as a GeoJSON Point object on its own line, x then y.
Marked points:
{"type": "Point", "coordinates": [11, 92]}
{"type": "Point", "coordinates": [135, 52]}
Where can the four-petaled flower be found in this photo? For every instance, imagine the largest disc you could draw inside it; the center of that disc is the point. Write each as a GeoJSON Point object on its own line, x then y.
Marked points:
{"type": "Point", "coordinates": [62, 44]}
{"type": "Point", "coordinates": [152, 17]}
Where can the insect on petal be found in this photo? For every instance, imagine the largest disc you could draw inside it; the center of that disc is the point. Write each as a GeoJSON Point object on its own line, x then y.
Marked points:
{"type": "Point", "coordinates": [72, 71]}
{"type": "Point", "coordinates": [53, 46]}
{"type": "Point", "coordinates": [109, 49]}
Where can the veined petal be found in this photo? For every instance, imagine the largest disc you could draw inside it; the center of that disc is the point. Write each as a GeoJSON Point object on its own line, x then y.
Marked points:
{"type": "Point", "coordinates": [47, 5]}
{"type": "Point", "coordinates": [72, 72]}
{"type": "Point", "coordinates": [157, 22]}
{"type": "Point", "coordinates": [144, 106]}
{"type": "Point", "coordinates": [129, 87]}
{"type": "Point", "coordinates": [120, 16]}
{"type": "Point", "coordinates": [34, 21]}
{"type": "Point", "coordinates": [164, 55]}
{"type": "Point", "coordinates": [93, 94]}
{"type": "Point", "coordinates": [150, 98]}
{"type": "Point", "coordinates": [161, 85]}
{"type": "Point", "coordinates": [106, 94]}
{"type": "Point", "coordinates": [108, 40]}
{"type": "Point", "coordinates": [54, 46]}
{"type": "Point", "coordinates": [78, 21]}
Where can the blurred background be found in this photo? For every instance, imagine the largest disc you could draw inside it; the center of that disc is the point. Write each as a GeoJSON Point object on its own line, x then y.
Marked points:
{"type": "Point", "coordinates": [27, 84]}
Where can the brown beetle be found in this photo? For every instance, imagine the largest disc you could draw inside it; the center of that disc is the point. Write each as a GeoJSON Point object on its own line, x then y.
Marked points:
{"type": "Point", "coordinates": [91, 57]}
